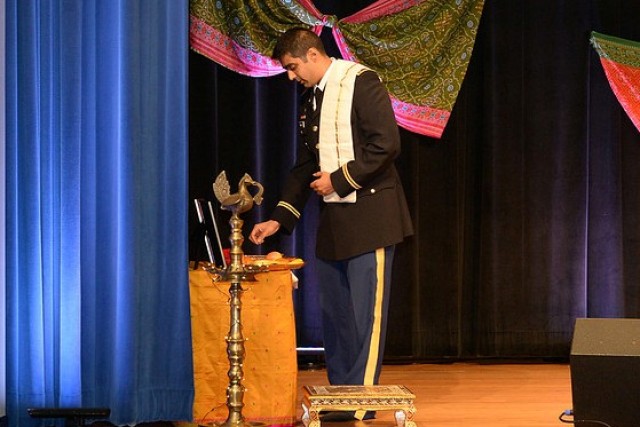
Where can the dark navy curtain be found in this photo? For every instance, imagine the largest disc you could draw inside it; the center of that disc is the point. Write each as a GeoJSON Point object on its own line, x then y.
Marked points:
{"type": "Point", "coordinates": [96, 164]}
{"type": "Point", "coordinates": [527, 210]}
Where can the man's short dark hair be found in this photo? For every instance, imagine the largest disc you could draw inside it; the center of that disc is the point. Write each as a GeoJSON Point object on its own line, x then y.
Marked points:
{"type": "Point", "coordinates": [296, 42]}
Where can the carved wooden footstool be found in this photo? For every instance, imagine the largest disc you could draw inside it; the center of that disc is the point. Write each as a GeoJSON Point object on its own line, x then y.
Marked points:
{"type": "Point", "coordinates": [358, 398]}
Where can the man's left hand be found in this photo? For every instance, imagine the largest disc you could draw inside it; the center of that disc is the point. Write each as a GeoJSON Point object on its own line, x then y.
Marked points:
{"type": "Point", "coordinates": [322, 185]}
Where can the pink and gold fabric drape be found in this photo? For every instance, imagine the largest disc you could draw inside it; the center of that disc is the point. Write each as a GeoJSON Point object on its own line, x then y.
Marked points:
{"type": "Point", "coordinates": [420, 48]}
{"type": "Point", "coordinates": [620, 59]}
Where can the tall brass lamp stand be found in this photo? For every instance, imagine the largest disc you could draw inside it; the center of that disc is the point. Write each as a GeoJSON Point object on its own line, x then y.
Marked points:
{"type": "Point", "coordinates": [236, 273]}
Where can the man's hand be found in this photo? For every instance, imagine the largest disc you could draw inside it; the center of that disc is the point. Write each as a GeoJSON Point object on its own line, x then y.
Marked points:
{"type": "Point", "coordinates": [263, 230]}
{"type": "Point", "coordinates": [322, 185]}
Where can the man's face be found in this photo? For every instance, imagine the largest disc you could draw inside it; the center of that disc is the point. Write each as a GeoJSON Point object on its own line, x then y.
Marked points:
{"type": "Point", "coordinates": [304, 70]}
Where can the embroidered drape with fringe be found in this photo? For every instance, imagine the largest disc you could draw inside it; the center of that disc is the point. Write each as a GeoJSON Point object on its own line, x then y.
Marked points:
{"type": "Point", "coordinates": [420, 48]}
{"type": "Point", "coordinates": [620, 59]}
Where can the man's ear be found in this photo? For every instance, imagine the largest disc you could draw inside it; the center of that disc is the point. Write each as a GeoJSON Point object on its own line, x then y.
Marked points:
{"type": "Point", "coordinates": [312, 54]}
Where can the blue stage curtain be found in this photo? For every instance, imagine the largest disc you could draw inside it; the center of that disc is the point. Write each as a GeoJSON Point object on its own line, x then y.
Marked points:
{"type": "Point", "coordinates": [97, 282]}
{"type": "Point", "coordinates": [3, 313]}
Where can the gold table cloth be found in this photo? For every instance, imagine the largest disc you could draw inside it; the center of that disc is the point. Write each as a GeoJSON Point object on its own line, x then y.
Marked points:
{"type": "Point", "coordinates": [270, 363]}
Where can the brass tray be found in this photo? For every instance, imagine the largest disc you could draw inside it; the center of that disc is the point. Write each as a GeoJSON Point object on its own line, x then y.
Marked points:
{"type": "Point", "coordinates": [284, 263]}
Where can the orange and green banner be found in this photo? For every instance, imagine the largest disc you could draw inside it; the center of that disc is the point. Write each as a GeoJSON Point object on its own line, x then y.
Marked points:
{"type": "Point", "coordinates": [620, 59]}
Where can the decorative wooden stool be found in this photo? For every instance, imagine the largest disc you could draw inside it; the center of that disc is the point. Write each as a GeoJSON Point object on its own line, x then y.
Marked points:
{"type": "Point", "coordinates": [358, 398]}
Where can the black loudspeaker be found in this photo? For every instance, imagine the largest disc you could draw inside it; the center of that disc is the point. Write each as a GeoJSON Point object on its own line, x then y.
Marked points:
{"type": "Point", "coordinates": [605, 372]}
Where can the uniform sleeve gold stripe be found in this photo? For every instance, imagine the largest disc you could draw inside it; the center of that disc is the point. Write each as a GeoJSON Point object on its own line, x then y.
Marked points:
{"type": "Point", "coordinates": [290, 208]}
{"type": "Point", "coordinates": [352, 182]}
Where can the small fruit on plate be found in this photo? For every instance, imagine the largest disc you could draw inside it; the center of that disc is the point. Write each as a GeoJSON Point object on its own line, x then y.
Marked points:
{"type": "Point", "coordinates": [274, 255]}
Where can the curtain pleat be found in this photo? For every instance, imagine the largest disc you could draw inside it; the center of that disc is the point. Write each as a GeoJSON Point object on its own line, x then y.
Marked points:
{"type": "Point", "coordinates": [3, 224]}
{"type": "Point", "coordinates": [97, 305]}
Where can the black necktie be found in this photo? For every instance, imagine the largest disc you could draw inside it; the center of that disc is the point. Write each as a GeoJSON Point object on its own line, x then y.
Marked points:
{"type": "Point", "coordinates": [317, 98]}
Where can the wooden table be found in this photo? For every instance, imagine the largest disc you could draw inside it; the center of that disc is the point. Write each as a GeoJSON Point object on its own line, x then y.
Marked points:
{"type": "Point", "coordinates": [270, 365]}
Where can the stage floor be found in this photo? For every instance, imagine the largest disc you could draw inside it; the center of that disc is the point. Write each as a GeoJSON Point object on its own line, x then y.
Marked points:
{"type": "Point", "coordinates": [468, 394]}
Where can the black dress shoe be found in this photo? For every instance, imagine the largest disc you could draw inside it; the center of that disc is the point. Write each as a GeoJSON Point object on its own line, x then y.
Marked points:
{"type": "Point", "coordinates": [336, 416]}
{"type": "Point", "coordinates": [340, 416]}
{"type": "Point", "coordinates": [369, 415]}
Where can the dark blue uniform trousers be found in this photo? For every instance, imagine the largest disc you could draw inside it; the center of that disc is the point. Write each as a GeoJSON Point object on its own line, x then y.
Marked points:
{"type": "Point", "coordinates": [354, 299]}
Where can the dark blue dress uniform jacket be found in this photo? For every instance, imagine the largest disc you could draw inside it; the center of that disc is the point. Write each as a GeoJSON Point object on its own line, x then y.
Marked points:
{"type": "Point", "coordinates": [380, 216]}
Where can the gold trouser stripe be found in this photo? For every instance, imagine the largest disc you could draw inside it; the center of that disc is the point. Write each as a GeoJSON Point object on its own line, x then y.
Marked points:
{"type": "Point", "coordinates": [374, 346]}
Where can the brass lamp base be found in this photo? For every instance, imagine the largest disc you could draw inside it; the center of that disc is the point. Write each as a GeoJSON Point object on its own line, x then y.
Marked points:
{"type": "Point", "coordinates": [243, 423]}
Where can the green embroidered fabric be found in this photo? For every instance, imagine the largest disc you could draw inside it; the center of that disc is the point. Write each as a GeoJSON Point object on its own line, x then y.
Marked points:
{"type": "Point", "coordinates": [420, 48]}
{"type": "Point", "coordinates": [421, 53]}
{"type": "Point", "coordinates": [253, 24]}
{"type": "Point", "coordinates": [620, 60]}
{"type": "Point", "coordinates": [616, 49]}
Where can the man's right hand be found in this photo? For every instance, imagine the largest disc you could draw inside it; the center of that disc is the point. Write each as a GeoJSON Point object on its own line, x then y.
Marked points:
{"type": "Point", "coordinates": [263, 230]}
